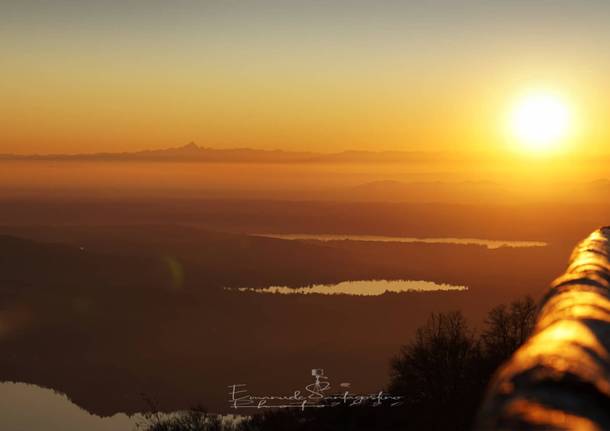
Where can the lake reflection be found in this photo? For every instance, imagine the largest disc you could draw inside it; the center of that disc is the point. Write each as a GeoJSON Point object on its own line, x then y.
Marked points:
{"type": "Point", "coordinates": [32, 408]}
{"type": "Point", "coordinates": [489, 243]}
{"type": "Point", "coordinates": [360, 288]}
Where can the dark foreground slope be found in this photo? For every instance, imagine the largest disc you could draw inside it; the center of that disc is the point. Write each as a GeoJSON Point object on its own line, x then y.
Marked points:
{"type": "Point", "coordinates": [116, 312]}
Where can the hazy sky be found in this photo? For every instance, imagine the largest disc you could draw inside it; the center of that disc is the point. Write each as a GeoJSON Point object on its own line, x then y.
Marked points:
{"type": "Point", "coordinates": [80, 76]}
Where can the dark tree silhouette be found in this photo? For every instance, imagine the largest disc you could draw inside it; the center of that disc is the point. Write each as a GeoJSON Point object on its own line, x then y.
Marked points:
{"type": "Point", "coordinates": [194, 419]}
{"type": "Point", "coordinates": [506, 328]}
{"type": "Point", "coordinates": [437, 372]}
{"type": "Point", "coordinates": [444, 371]}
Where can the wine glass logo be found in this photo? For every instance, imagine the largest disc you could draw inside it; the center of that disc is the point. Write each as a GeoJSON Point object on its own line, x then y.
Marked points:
{"type": "Point", "coordinates": [320, 385]}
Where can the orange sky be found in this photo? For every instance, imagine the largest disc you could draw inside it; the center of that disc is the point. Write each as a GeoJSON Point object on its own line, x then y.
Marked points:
{"type": "Point", "coordinates": [78, 77]}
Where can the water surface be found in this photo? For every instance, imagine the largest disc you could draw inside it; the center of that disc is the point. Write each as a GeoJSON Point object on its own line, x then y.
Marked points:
{"type": "Point", "coordinates": [489, 243]}
{"type": "Point", "coordinates": [25, 407]}
{"type": "Point", "coordinates": [359, 288]}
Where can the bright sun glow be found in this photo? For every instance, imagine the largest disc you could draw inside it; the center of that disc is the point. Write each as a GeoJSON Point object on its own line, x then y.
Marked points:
{"type": "Point", "coordinates": [540, 121]}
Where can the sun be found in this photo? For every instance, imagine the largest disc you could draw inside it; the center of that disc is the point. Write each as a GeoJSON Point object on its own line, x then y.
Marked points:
{"type": "Point", "coordinates": [540, 121]}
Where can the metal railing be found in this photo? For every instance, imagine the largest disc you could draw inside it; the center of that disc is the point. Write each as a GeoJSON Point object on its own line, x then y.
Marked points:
{"type": "Point", "coordinates": [560, 378]}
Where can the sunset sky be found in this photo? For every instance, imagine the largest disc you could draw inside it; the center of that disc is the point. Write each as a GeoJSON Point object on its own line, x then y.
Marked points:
{"type": "Point", "coordinates": [86, 76]}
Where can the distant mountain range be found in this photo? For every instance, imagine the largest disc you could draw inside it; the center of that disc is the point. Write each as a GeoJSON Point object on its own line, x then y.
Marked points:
{"type": "Point", "coordinates": [196, 153]}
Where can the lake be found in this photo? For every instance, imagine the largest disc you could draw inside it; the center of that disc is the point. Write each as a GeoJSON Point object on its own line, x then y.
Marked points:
{"type": "Point", "coordinates": [25, 407]}
{"type": "Point", "coordinates": [359, 288]}
{"type": "Point", "coordinates": [489, 243]}
{"type": "Point", "coordinates": [30, 407]}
